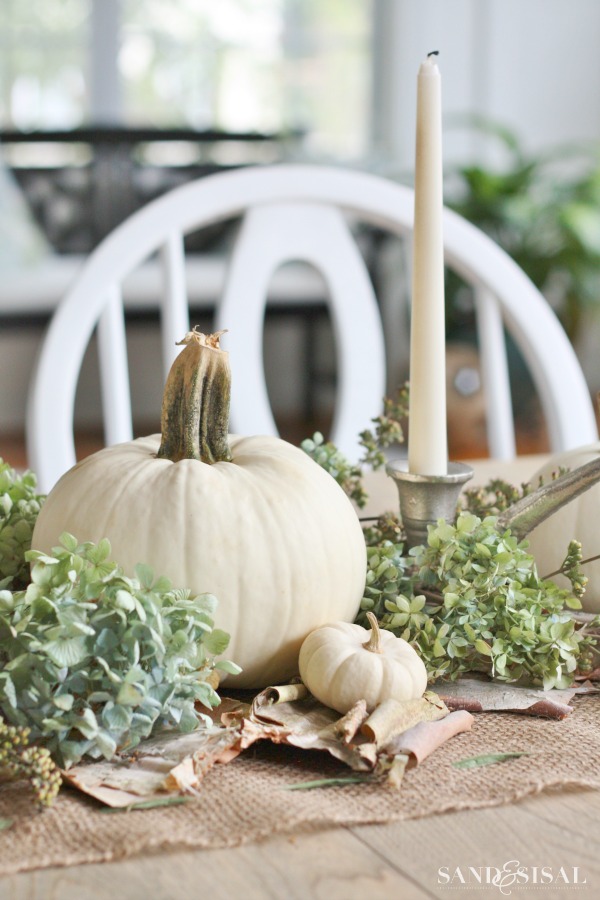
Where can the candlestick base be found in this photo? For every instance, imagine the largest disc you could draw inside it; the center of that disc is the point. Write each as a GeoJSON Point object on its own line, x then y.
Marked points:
{"type": "Point", "coordinates": [424, 499]}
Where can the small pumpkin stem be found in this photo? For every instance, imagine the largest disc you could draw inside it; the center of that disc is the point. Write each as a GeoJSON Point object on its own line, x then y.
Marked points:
{"type": "Point", "coordinates": [195, 408]}
{"type": "Point", "coordinates": [374, 642]}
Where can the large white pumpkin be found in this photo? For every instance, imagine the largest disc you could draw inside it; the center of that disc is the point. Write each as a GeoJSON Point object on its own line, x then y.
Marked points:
{"type": "Point", "coordinates": [579, 519]}
{"type": "Point", "coordinates": [269, 532]}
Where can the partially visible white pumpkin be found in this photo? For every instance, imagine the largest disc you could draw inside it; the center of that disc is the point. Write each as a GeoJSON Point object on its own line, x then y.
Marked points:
{"type": "Point", "coordinates": [342, 663]}
{"type": "Point", "coordinates": [579, 519]}
{"type": "Point", "coordinates": [260, 525]}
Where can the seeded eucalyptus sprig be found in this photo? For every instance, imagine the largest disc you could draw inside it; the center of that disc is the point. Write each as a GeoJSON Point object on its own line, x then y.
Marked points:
{"type": "Point", "coordinates": [498, 495]}
{"type": "Point", "coordinates": [347, 475]}
{"type": "Point", "coordinates": [93, 661]}
{"type": "Point", "coordinates": [388, 429]}
{"type": "Point", "coordinates": [494, 497]}
{"type": "Point", "coordinates": [571, 568]}
{"type": "Point", "coordinates": [387, 527]}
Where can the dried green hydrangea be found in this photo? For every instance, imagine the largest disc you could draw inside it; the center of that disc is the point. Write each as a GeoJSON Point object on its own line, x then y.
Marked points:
{"type": "Point", "coordinates": [19, 507]}
{"type": "Point", "coordinates": [93, 661]}
{"type": "Point", "coordinates": [472, 601]}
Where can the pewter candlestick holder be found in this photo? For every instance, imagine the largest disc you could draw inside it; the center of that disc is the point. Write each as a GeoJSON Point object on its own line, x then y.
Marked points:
{"type": "Point", "coordinates": [426, 498]}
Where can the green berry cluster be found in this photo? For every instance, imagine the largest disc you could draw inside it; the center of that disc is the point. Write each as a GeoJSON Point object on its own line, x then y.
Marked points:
{"type": "Point", "coordinates": [20, 759]}
{"type": "Point", "coordinates": [571, 568]}
{"type": "Point", "coordinates": [387, 527]}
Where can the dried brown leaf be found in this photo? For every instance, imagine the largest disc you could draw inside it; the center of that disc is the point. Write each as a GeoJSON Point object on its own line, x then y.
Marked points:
{"type": "Point", "coordinates": [176, 764]}
{"type": "Point", "coordinates": [393, 717]}
{"type": "Point", "coordinates": [422, 739]}
{"type": "Point", "coordinates": [477, 695]}
{"type": "Point", "coordinates": [347, 727]}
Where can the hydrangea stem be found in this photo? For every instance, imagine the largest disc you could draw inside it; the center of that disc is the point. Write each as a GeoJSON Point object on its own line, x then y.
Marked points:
{"type": "Point", "coordinates": [196, 399]}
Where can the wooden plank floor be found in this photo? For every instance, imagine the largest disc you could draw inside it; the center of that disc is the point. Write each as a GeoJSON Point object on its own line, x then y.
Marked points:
{"type": "Point", "coordinates": [402, 860]}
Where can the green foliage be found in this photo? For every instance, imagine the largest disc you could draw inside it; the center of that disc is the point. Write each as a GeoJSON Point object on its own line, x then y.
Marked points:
{"type": "Point", "coordinates": [494, 497]}
{"type": "Point", "coordinates": [18, 759]}
{"type": "Point", "coordinates": [498, 495]}
{"type": "Point", "coordinates": [327, 455]}
{"type": "Point", "coordinates": [19, 508]}
{"type": "Point", "coordinates": [387, 527]}
{"type": "Point", "coordinates": [571, 569]}
{"type": "Point", "coordinates": [544, 210]}
{"type": "Point", "coordinates": [472, 601]}
{"type": "Point", "coordinates": [388, 430]}
{"type": "Point", "coordinates": [93, 661]}
{"type": "Point", "coordinates": [487, 759]}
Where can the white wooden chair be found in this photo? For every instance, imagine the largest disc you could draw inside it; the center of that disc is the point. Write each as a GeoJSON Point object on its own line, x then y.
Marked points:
{"type": "Point", "coordinates": [293, 212]}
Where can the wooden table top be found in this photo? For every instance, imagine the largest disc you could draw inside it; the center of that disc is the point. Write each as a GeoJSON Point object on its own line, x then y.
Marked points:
{"type": "Point", "coordinates": [401, 861]}
{"type": "Point", "coordinates": [409, 860]}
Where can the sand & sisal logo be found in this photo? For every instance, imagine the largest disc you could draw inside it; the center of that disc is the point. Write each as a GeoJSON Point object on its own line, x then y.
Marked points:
{"type": "Point", "coordinates": [512, 876]}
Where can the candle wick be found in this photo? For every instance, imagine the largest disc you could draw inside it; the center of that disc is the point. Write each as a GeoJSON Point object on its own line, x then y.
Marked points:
{"type": "Point", "coordinates": [433, 53]}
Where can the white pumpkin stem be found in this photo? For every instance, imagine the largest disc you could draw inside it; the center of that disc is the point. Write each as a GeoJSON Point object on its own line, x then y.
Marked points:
{"type": "Point", "coordinates": [195, 408]}
{"type": "Point", "coordinates": [374, 642]}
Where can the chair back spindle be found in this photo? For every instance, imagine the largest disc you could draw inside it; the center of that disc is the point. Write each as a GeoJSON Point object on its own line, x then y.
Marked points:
{"type": "Point", "coordinates": [174, 312]}
{"type": "Point", "coordinates": [114, 370]}
{"type": "Point", "coordinates": [494, 374]}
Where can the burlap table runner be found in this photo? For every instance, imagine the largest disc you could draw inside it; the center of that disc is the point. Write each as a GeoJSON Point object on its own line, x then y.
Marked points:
{"type": "Point", "coordinates": [246, 800]}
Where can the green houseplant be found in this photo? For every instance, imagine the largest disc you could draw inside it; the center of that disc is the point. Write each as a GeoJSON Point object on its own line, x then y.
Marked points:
{"type": "Point", "coordinates": [544, 209]}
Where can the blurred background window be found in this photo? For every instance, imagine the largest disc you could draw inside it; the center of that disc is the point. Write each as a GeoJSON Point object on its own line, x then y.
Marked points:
{"type": "Point", "coordinates": [235, 65]}
{"type": "Point", "coordinates": [43, 63]}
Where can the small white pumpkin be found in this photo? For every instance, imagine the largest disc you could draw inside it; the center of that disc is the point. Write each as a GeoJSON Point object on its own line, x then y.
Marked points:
{"type": "Point", "coordinates": [253, 520]}
{"type": "Point", "coordinates": [579, 520]}
{"type": "Point", "coordinates": [341, 664]}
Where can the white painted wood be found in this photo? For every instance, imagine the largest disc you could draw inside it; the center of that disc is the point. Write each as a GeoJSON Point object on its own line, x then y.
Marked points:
{"type": "Point", "coordinates": [271, 235]}
{"type": "Point", "coordinates": [562, 388]}
{"type": "Point", "coordinates": [38, 289]}
{"type": "Point", "coordinates": [494, 373]}
{"type": "Point", "coordinates": [175, 318]}
{"type": "Point", "coordinates": [114, 372]}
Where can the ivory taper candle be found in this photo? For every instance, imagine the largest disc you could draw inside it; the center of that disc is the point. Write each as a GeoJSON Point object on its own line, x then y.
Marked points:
{"type": "Point", "coordinates": [427, 437]}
